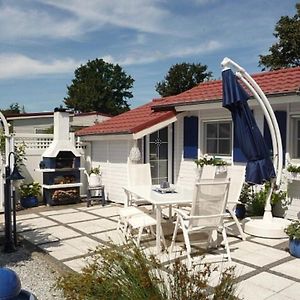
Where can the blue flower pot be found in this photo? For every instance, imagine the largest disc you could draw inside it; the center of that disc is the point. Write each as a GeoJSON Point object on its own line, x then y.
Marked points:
{"type": "Point", "coordinates": [294, 247]}
{"type": "Point", "coordinates": [240, 211]}
{"type": "Point", "coordinates": [30, 201]}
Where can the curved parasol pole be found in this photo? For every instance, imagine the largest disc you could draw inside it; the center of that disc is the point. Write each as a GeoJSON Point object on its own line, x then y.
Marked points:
{"type": "Point", "coordinates": [272, 123]}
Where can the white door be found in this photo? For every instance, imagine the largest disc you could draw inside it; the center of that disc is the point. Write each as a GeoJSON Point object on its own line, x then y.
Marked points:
{"type": "Point", "coordinates": [158, 155]}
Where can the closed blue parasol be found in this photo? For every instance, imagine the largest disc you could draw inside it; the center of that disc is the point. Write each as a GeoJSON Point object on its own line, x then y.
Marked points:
{"type": "Point", "coordinates": [246, 133]}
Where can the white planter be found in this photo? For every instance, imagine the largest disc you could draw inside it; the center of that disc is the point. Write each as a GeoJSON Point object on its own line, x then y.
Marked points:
{"type": "Point", "coordinates": [94, 180]}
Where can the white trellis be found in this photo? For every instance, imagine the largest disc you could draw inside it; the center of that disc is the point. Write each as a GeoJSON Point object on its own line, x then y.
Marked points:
{"type": "Point", "coordinates": [4, 159]}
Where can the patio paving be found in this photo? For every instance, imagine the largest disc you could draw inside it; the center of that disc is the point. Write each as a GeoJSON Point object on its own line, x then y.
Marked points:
{"type": "Point", "coordinates": [264, 268]}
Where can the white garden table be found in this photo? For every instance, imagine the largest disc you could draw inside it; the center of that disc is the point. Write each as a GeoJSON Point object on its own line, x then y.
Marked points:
{"type": "Point", "coordinates": [179, 197]}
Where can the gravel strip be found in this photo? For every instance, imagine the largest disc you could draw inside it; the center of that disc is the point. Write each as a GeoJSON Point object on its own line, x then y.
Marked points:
{"type": "Point", "coordinates": [35, 272]}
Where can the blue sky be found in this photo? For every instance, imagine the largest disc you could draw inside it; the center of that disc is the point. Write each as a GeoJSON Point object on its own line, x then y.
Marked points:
{"type": "Point", "coordinates": [42, 42]}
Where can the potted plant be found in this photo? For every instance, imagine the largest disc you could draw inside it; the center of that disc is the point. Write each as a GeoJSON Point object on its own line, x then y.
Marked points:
{"type": "Point", "coordinates": [210, 160]}
{"type": "Point", "coordinates": [94, 176]}
{"type": "Point", "coordinates": [29, 193]}
{"type": "Point", "coordinates": [240, 209]}
{"type": "Point", "coordinates": [293, 170]}
{"type": "Point", "coordinates": [293, 232]}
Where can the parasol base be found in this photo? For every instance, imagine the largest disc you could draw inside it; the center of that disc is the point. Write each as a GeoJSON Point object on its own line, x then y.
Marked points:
{"type": "Point", "coordinates": [264, 228]}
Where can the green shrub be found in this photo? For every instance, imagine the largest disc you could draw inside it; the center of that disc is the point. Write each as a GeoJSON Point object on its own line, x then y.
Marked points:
{"type": "Point", "coordinates": [210, 160]}
{"type": "Point", "coordinates": [257, 201]}
{"type": "Point", "coordinates": [293, 230]}
{"type": "Point", "coordinates": [125, 273]}
{"type": "Point", "coordinates": [293, 169]}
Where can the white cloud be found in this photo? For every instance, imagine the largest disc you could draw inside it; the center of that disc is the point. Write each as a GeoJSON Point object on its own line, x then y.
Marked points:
{"type": "Point", "coordinates": [157, 55]}
{"type": "Point", "coordinates": [141, 15]}
{"type": "Point", "coordinates": [16, 23]}
{"type": "Point", "coordinates": [15, 65]}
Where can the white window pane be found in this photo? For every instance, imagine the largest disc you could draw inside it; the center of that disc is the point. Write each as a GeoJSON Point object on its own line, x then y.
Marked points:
{"type": "Point", "coordinates": [212, 130]}
{"type": "Point", "coordinates": [224, 130]}
{"type": "Point", "coordinates": [224, 147]}
{"type": "Point", "coordinates": [211, 146]}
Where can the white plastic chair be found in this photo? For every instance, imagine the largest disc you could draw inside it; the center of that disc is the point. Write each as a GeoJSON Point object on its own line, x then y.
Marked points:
{"type": "Point", "coordinates": [206, 214]}
{"type": "Point", "coordinates": [237, 179]}
{"type": "Point", "coordinates": [142, 221]}
{"type": "Point", "coordinates": [208, 172]}
{"type": "Point", "coordinates": [138, 174]}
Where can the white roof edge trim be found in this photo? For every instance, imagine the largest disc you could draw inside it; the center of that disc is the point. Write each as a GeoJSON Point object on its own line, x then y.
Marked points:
{"type": "Point", "coordinates": [154, 128]}
{"type": "Point", "coordinates": [106, 137]}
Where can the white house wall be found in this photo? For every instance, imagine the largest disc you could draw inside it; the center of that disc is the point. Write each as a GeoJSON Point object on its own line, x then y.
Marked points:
{"type": "Point", "coordinates": [185, 169]}
{"type": "Point", "coordinates": [112, 157]}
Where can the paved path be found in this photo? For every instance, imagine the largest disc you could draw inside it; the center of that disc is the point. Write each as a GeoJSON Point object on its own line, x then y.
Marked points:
{"type": "Point", "coordinates": [264, 268]}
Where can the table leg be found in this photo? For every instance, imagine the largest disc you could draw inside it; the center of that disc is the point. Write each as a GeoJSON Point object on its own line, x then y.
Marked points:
{"type": "Point", "coordinates": [89, 198]}
{"type": "Point", "coordinates": [158, 228]}
{"type": "Point", "coordinates": [103, 196]}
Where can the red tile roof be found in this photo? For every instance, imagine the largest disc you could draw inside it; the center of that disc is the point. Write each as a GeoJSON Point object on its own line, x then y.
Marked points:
{"type": "Point", "coordinates": [284, 81]}
{"type": "Point", "coordinates": [129, 122]}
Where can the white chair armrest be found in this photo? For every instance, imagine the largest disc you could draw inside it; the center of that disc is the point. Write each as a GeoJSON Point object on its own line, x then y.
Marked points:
{"type": "Point", "coordinates": [181, 213]}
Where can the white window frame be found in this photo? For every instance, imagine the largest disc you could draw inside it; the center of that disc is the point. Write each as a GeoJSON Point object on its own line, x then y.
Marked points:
{"type": "Point", "coordinates": [205, 123]}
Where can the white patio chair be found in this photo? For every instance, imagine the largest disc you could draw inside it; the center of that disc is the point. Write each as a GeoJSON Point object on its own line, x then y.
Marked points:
{"type": "Point", "coordinates": [208, 172]}
{"type": "Point", "coordinates": [206, 214]}
{"type": "Point", "coordinates": [142, 221]}
{"type": "Point", "coordinates": [237, 179]}
{"type": "Point", "coordinates": [138, 174]}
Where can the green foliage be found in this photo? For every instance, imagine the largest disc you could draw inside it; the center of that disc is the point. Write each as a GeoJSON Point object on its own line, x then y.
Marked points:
{"type": "Point", "coordinates": [257, 201]}
{"type": "Point", "coordinates": [293, 169]}
{"type": "Point", "coordinates": [99, 86]}
{"type": "Point", "coordinates": [286, 51]}
{"type": "Point", "coordinates": [14, 108]}
{"type": "Point", "coordinates": [30, 189]}
{"type": "Point", "coordinates": [95, 170]}
{"type": "Point", "coordinates": [125, 273]}
{"type": "Point", "coordinates": [20, 150]}
{"type": "Point", "coordinates": [182, 77]}
{"type": "Point", "coordinates": [246, 194]}
{"type": "Point", "coordinates": [20, 154]}
{"type": "Point", "coordinates": [293, 230]}
{"type": "Point", "coordinates": [210, 160]}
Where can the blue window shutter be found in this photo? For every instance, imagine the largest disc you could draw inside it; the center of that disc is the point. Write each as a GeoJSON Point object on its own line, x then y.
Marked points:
{"type": "Point", "coordinates": [190, 137]}
{"type": "Point", "coordinates": [281, 117]}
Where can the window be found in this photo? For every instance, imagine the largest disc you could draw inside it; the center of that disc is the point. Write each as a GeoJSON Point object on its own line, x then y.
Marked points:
{"type": "Point", "coordinates": [218, 138]}
{"type": "Point", "coordinates": [296, 135]}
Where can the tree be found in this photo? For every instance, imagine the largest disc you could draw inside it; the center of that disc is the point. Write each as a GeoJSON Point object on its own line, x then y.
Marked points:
{"type": "Point", "coordinates": [14, 108]}
{"type": "Point", "coordinates": [99, 86]}
{"type": "Point", "coordinates": [286, 51]}
{"type": "Point", "coordinates": [182, 77]}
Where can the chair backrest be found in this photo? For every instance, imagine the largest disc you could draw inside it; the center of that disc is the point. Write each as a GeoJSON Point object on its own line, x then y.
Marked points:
{"type": "Point", "coordinates": [139, 174]}
{"type": "Point", "coordinates": [208, 172]}
{"type": "Point", "coordinates": [210, 198]}
{"type": "Point", "coordinates": [237, 179]}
